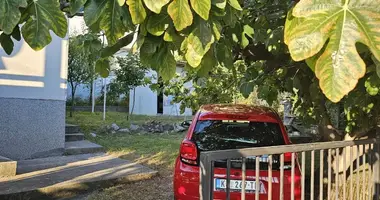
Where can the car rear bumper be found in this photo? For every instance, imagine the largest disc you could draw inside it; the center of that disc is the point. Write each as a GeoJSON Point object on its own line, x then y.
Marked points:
{"type": "Point", "coordinates": [186, 184]}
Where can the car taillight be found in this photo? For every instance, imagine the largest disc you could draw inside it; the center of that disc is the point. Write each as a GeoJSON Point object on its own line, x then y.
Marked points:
{"type": "Point", "coordinates": [287, 160]}
{"type": "Point", "coordinates": [188, 152]}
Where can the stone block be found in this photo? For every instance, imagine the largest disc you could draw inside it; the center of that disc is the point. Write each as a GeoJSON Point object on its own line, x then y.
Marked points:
{"type": "Point", "coordinates": [7, 167]}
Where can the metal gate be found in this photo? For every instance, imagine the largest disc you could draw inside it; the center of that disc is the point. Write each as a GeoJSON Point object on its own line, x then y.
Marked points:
{"type": "Point", "coordinates": [358, 159]}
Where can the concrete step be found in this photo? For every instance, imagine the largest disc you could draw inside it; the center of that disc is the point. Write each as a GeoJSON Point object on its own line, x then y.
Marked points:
{"type": "Point", "coordinates": [27, 166]}
{"type": "Point", "coordinates": [55, 176]}
{"type": "Point", "coordinates": [7, 167]}
{"type": "Point", "coordinates": [74, 137]}
{"type": "Point", "coordinates": [82, 147]}
{"type": "Point", "coordinates": [71, 128]}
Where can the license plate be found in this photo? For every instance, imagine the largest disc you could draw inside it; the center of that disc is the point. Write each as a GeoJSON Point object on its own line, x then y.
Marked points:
{"type": "Point", "coordinates": [238, 185]}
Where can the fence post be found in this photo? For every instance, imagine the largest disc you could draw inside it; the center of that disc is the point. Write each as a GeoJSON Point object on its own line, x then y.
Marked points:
{"type": "Point", "coordinates": [205, 175]}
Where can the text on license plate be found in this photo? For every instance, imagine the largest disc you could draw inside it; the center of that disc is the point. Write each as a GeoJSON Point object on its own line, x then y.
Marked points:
{"type": "Point", "coordinates": [238, 185]}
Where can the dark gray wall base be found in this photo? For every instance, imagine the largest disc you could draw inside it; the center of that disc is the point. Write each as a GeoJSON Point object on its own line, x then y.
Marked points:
{"type": "Point", "coordinates": [31, 128]}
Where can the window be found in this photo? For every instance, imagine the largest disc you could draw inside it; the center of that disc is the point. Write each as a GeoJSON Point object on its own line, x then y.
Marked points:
{"type": "Point", "coordinates": [213, 135]}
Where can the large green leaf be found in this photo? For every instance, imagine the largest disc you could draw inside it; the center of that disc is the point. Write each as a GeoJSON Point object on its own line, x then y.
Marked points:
{"type": "Point", "coordinates": [137, 10]}
{"type": "Point", "coordinates": [167, 64]}
{"type": "Point", "coordinates": [247, 32]}
{"type": "Point", "coordinates": [224, 55]}
{"type": "Point", "coordinates": [230, 18]}
{"type": "Point", "coordinates": [16, 34]}
{"type": "Point", "coordinates": [342, 23]}
{"type": "Point", "coordinates": [138, 43]}
{"type": "Point", "coordinates": [247, 88]}
{"type": "Point", "coordinates": [111, 21]}
{"type": "Point", "coordinates": [219, 3]}
{"type": "Point", "coordinates": [208, 62]}
{"type": "Point", "coordinates": [45, 15]}
{"type": "Point", "coordinates": [201, 7]}
{"type": "Point", "coordinates": [6, 43]}
{"type": "Point", "coordinates": [198, 43]}
{"type": "Point", "coordinates": [102, 67]}
{"type": "Point", "coordinates": [92, 11]}
{"type": "Point", "coordinates": [148, 49]}
{"type": "Point", "coordinates": [217, 29]}
{"type": "Point", "coordinates": [10, 14]}
{"type": "Point", "coordinates": [157, 55]}
{"type": "Point", "coordinates": [75, 5]}
{"type": "Point", "coordinates": [180, 12]}
{"type": "Point", "coordinates": [157, 24]}
{"type": "Point", "coordinates": [126, 18]}
{"type": "Point", "coordinates": [112, 17]}
{"type": "Point", "coordinates": [170, 35]}
{"type": "Point", "coordinates": [235, 4]}
{"type": "Point", "coordinates": [155, 5]}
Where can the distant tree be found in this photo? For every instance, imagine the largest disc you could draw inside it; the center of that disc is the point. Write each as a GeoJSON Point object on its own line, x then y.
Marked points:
{"type": "Point", "coordinates": [220, 85]}
{"type": "Point", "coordinates": [81, 66]}
{"type": "Point", "coordinates": [129, 74]}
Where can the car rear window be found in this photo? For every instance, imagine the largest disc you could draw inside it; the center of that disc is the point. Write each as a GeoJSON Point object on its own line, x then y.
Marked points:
{"type": "Point", "coordinates": [211, 135]}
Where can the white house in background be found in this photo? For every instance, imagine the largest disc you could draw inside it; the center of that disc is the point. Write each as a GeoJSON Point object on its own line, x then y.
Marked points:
{"type": "Point", "coordinates": [147, 102]}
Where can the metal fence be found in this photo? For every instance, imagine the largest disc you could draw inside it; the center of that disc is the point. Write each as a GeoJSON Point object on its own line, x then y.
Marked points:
{"type": "Point", "coordinates": [326, 170]}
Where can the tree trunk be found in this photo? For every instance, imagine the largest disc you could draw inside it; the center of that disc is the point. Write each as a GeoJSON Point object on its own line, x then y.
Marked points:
{"type": "Point", "coordinates": [90, 97]}
{"type": "Point", "coordinates": [133, 102]}
{"type": "Point", "coordinates": [73, 88]}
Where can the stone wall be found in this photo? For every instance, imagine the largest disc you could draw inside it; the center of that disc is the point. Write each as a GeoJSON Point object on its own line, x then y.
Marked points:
{"type": "Point", "coordinates": [31, 128]}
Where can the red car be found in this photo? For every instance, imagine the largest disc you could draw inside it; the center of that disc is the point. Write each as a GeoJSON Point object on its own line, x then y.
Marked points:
{"type": "Point", "coordinates": [215, 127]}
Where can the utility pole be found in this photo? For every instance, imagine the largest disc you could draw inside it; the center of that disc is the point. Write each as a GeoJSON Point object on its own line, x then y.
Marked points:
{"type": "Point", "coordinates": [93, 94]}
{"type": "Point", "coordinates": [105, 98]}
{"type": "Point", "coordinates": [105, 87]}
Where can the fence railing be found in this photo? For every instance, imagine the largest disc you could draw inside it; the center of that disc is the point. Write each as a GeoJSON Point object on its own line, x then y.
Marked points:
{"type": "Point", "coordinates": [326, 170]}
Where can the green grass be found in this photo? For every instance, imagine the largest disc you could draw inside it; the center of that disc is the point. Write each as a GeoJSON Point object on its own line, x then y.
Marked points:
{"type": "Point", "coordinates": [153, 149]}
{"type": "Point", "coordinates": [92, 121]}
{"type": "Point", "coordinates": [161, 149]}
{"type": "Point", "coordinates": [158, 151]}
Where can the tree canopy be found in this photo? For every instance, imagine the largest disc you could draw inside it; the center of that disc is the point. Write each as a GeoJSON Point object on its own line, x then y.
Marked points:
{"type": "Point", "coordinates": [80, 65]}
{"type": "Point", "coordinates": [323, 32]}
{"type": "Point", "coordinates": [128, 75]}
{"type": "Point", "coordinates": [321, 51]}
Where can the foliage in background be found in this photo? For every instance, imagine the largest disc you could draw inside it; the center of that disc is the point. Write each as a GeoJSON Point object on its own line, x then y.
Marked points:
{"type": "Point", "coordinates": [191, 91]}
{"type": "Point", "coordinates": [80, 67]}
{"type": "Point", "coordinates": [324, 33]}
{"type": "Point", "coordinates": [272, 71]}
{"type": "Point", "coordinates": [78, 102]}
{"type": "Point", "coordinates": [218, 86]}
{"type": "Point", "coordinates": [128, 74]}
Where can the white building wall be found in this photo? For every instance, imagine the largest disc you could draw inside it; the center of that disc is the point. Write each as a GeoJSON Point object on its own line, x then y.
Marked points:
{"type": "Point", "coordinates": [30, 74]}
{"type": "Point", "coordinates": [146, 100]}
{"type": "Point", "coordinates": [171, 108]}
{"type": "Point", "coordinates": [32, 100]}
